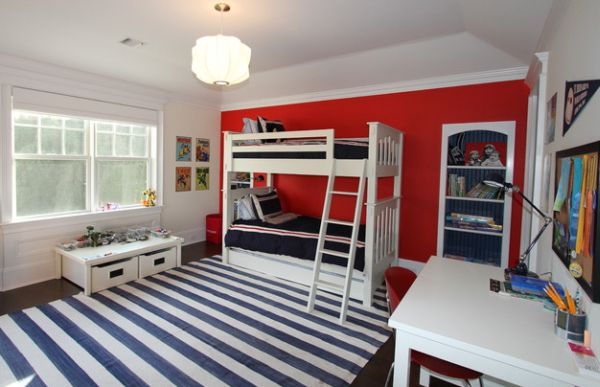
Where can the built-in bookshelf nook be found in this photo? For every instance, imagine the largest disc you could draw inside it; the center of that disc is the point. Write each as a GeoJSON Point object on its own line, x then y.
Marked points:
{"type": "Point", "coordinates": [474, 218]}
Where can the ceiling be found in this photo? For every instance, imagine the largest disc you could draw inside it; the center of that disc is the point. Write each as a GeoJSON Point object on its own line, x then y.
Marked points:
{"type": "Point", "coordinates": [297, 46]}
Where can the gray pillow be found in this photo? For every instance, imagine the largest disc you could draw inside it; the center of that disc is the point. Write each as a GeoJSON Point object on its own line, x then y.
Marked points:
{"type": "Point", "coordinates": [250, 126]}
{"type": "Point", "coordinates": [246, 208]}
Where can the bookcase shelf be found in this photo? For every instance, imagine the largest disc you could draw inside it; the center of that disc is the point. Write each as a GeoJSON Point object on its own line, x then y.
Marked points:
{"type": "Point", "coordinates": [480, 232]}
{"type": "Point", "coordinates": [490, 206]}
{"type": "Point", "coordinates": [476, 167]}
{"type": "Point", "coordinates": [469, 199]}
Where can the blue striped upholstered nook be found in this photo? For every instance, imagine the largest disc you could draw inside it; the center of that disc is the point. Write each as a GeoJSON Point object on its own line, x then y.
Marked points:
{"type": "Point", "coordinates": [205, 323]}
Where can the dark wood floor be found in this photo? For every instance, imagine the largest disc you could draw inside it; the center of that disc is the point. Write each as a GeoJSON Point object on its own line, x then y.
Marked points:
{"type": "Point", "coordinates": [47, 291]}
{"type": "Point", "coordinates": [373, 374]}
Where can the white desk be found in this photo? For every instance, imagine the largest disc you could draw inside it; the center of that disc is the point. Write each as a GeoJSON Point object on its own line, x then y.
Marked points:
{"type": "Point", "coordinates": [450, 313]}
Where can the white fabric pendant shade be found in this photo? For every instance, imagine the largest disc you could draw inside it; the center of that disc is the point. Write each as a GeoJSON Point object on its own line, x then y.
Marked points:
{"type": "Point", "coordinates": [221, 60]}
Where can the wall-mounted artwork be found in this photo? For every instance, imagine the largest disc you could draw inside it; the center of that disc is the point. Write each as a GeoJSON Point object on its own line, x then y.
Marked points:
{"type": "Point", "coordinates": [183, 149]}
{"type": "Point", "coordinates": [576, 235]}
{"type": "Point", "coordinates": [550, 119]}
{"type": "Point", "coordinates": [183, 179]}
{"type": "Point", "coordinates": [202, 179]}
{"type": "Point", "coordinates": [202, 149]}
{"type": "Point", "coordinates": [577, 95]}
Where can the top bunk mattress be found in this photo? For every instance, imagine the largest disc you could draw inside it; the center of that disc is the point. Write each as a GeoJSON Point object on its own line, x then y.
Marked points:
{"type": "Point", "coordinates": [343, 149]}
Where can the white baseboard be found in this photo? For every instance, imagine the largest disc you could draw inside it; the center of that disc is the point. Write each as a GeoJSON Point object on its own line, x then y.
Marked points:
{"type": "Point", "coordinates": [28, 248]}
{"type": "Point", "coordinates": [415, 266]}
{"type": "Point", "coordinates": [192, 235]}
{"type": "Point", "coordinates": [28, 274]}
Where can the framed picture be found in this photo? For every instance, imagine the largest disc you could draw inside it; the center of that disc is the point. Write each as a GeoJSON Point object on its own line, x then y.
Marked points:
{"type": "Point", "coordinates": [183, 179]}
{"type": "Point", "coordinates": [576, 228]}
{"type": "Point", "coordinates": [183, 149]}
{"type": "Point", "coordinates": [550, 120]}
{"type": "Point", "coordinates": [202, 149]}
{"type": "Point", "coordinates": [202, 179]}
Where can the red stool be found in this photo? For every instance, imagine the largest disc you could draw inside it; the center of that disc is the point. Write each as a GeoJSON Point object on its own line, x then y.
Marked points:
{"type": "Point", "coordinates": [397, 281]}
{"type": "Point", "coordinates": [214, 224]}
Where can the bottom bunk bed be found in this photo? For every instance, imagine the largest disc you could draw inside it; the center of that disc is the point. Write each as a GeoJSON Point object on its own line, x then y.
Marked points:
{"type": "Point", "coordinates": [287, 249]}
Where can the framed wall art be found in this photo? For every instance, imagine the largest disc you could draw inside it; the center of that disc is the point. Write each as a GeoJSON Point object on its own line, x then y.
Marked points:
{"type": "Point", "coordinates": [202, 149]}
{"type": "Point", "coordinates": [576, 234]}
{"type": "Point", "coordinates": [202, 179]}
{"type": "Point", "coordinates": [183, 149]}
{"type": "Point", "coordinates": [183, 179]}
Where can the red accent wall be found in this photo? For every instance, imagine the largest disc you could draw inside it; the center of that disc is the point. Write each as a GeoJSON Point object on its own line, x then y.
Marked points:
{"type": "Point", "coordinates": [420, 114]}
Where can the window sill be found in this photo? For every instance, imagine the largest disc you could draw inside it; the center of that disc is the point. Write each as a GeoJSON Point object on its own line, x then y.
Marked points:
{"type": "Point", "coordinates": [31, 225]}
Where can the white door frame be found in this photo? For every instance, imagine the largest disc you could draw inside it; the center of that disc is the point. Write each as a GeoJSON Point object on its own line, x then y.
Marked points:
{"type": "Point", "coordinates": [534, 155]}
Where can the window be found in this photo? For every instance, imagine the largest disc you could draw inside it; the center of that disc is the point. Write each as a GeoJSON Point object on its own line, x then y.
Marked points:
{"type": "Point", "coordinates": [67, 164]}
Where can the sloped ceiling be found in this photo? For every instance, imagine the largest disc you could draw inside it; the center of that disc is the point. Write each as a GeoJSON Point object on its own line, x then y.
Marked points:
{"type": "Point", "coordinates": [297, 46]}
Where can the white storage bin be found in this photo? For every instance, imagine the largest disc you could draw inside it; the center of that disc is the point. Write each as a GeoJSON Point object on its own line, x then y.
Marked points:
{"type": "Point", "coordinates": [114, 273]}
{"type": "Point", "coordinates": [157, 261]}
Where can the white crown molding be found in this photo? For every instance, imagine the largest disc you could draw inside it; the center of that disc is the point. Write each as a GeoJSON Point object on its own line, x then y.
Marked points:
{"type": "Point", "coordinates": [509, 74]}
{"type": "Point", "coordinates": [539, 65]}
{"type": "Point", "coordinates": [32, 74]}
{"type": "Point", "coordinates": [43, 76]}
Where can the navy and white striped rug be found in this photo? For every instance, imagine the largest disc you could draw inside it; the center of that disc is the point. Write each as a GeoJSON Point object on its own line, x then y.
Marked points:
{"type": "Point", "coordinates": [205, 323]}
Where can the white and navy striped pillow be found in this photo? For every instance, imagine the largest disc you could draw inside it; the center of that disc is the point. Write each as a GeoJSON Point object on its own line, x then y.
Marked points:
{"type": "Point", "coordinates": [267, 205]}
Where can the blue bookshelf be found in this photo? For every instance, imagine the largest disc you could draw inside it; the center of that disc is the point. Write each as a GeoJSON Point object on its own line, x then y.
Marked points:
{"type": "Point", "coordinates": [474, 219]}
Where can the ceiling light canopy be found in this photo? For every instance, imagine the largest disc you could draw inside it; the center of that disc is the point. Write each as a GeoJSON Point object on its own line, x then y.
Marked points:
{"type": "Point", "coordinates": [221, 59]}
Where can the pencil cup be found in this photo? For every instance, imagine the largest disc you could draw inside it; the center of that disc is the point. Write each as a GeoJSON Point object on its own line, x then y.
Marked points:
{"type": "Point", "coordinates": [569, 326]}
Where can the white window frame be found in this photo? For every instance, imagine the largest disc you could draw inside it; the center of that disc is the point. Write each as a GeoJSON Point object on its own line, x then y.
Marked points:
{"type": "Point", "coordinates": [39, 156]}
{"type": "Point", "coordinates": [150, 157]}
{"type": "Point", "coordinates": [90, 157]}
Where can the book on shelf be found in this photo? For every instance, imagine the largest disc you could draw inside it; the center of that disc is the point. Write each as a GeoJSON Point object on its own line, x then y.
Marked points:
{"type": "Point", "coordinates": [472, 222]}
{"type": "Point", "coordinates": [456, 185]}
{"type": "Point", "coordinates": [483, 191]}
{"type": "Point", "coordinates": [461, 186]}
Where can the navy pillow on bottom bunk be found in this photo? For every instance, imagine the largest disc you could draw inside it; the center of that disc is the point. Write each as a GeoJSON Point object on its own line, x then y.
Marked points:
{"type": "Point", "coordinates": [272, 239]}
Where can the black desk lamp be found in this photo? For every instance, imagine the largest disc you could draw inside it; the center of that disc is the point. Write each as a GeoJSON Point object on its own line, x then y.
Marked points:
{"type": "Point", "coordinates": [497, 181]}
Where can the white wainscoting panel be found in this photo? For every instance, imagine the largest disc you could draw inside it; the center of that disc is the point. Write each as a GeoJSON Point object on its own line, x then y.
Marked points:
{"type": "Point", "coordinates": [29, 251]}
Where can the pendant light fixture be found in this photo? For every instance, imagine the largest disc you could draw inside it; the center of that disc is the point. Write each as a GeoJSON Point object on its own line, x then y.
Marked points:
{"type": "Point", "coordinates": [220, 59]}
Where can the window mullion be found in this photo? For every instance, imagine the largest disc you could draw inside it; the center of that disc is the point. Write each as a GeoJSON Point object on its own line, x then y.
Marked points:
{"type": "Point", "coordinates": [151, 174]}
{"type": "Point", "coordinates": [63, 148]}
{"type": "Point", "coordinates": [39, 136]}
{"type": "Point", "coordinates": [92, 193]}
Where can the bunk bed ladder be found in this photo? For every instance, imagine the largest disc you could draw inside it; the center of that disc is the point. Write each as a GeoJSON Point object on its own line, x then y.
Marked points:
{"type": "Point", "coordinates": [330, 286]}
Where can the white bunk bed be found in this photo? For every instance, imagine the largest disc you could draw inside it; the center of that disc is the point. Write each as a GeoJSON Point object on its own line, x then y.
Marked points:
{"type": "Point", "coordinates": [382, 216]}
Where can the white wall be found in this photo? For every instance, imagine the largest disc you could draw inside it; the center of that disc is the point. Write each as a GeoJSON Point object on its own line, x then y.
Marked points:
{"type": "Point", "coordinates": [571, 38]}
{"type": "Point", "coordinates": [184, 212]}
{"type": "Point", "coordinates": [26, 248]}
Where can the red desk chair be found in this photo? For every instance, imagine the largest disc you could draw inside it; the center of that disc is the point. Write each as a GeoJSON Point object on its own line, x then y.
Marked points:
{"type": "Point", "coordinates": [397, 281]}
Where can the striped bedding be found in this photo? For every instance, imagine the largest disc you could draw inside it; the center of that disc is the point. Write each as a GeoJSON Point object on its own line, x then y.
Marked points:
{"type": "Point", "coordinates": [206, 323]}
{"type": "Point", "coordinates": [296, 238]}
{"type": "Point", "coordinates": [343, 149]}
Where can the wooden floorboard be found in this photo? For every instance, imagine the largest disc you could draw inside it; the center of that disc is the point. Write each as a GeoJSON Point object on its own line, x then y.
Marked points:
{"type": "Point", "coordinates": [373, 374]}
